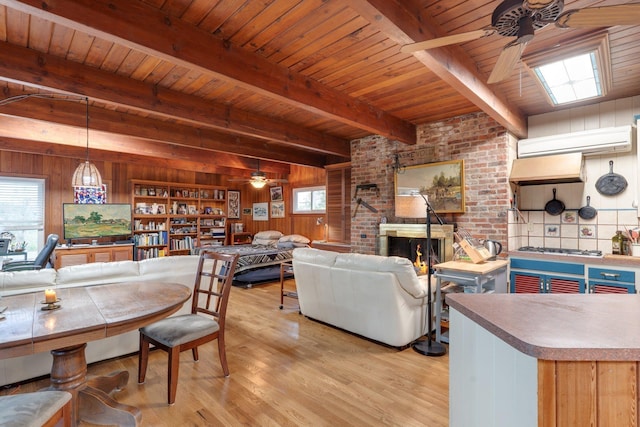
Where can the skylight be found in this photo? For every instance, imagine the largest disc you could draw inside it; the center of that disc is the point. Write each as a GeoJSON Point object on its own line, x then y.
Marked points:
{"type": "Point", "coordinates": [571, 79]}
{"type": "Point", "coordinates": [574, 70]}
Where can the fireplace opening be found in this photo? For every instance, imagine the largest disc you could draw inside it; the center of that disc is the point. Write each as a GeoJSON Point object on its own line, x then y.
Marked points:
{"type": "Point", "coordinates": [403, 240]}
{"type": "Point", "coordinates": [414, 247]}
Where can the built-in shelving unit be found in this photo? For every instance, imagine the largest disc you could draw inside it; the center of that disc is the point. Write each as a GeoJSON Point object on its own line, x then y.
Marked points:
{"type": "Point", "coordinates": [174, 218]}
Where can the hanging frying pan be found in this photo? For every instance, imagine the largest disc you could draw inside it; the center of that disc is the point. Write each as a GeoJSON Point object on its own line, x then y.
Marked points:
{"type": "Point", "coordinates": [554, 206]}
{"type": "Point", "coordinates": [611, 183]}
{"type": "Point", "coordinates": [587, 212]}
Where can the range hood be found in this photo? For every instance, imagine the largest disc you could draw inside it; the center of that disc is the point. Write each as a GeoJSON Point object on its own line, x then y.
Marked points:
{"type": "Point", "coordinates": [557, 169]}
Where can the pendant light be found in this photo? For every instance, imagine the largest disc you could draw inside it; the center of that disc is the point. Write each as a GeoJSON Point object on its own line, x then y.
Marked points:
{"type": "Point", "coordinates": [87, 174]}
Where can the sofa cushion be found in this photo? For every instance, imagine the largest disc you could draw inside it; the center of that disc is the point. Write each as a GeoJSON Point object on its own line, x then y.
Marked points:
{"type": "Point", "coordinates": [19, 282]}
{"type": "Point", "coordinates": [315, 256]}
{"type": "Point", "coordinates": [178, 269]}
{"type": "Point", "coordinates": [401, 267]}
{"type": "Point", "coordinates": [97, 273]}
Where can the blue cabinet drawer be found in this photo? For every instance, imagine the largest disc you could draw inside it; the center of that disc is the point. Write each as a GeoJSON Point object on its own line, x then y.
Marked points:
{"type": "Point", "coordinates": [611, 275]}
{"type": "Point", "coordinates": [547, 266]}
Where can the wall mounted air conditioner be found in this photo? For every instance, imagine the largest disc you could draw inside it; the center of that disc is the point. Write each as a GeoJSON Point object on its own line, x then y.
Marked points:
{"type": "Point", "coordinates": [589, 142]}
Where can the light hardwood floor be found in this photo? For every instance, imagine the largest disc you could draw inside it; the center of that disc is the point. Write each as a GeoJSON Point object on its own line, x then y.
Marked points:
{"type": "Point", "coordinates": [287, 370]}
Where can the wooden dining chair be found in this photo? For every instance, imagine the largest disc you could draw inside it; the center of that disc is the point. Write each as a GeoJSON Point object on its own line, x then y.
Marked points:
{"type": "Point", "coordinates": [205, 323]}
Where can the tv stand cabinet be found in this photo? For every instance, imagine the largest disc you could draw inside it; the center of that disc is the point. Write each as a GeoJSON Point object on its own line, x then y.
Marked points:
{"type": "Point", "coordinates": [65, 256]}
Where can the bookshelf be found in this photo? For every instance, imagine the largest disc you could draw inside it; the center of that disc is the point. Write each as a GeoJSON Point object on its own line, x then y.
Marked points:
{"type": "Point", "coordinates": [174, 218]}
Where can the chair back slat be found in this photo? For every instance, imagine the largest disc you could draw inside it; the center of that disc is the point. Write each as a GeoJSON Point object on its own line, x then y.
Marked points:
{"type": "Point", "coordinates": [213, 283]}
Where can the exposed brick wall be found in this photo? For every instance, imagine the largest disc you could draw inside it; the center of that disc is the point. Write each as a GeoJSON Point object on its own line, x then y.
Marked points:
{"type": "Point", "coordinates": [476, 138]}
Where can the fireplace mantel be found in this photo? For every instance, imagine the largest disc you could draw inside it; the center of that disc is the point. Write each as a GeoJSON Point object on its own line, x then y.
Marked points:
{"type": "Point", "coordinates": [417, 231]}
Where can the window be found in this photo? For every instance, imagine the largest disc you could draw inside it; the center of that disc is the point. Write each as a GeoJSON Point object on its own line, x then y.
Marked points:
{"type": "Point", "coordinates": [579, 69]}
{"type": "Point", "coordinates": [310, 200]}
{"type": "Point", "coordinates": [22, 211]}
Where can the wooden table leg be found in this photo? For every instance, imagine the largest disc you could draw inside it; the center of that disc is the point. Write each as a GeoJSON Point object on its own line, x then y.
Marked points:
{"type": "Point", "coordinates": [91, 401]}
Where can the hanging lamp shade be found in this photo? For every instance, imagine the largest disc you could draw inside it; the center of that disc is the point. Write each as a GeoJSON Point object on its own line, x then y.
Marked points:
{"type": "Point", "coordinates": [87, 174]}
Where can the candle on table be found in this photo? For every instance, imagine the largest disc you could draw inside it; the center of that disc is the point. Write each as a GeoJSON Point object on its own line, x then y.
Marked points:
{"type": "Point", "coordinates": [50, 296]}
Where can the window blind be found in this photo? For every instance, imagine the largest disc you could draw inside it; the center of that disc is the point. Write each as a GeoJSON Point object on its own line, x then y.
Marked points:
{"type": "Point", "coordinates": [21, 203]}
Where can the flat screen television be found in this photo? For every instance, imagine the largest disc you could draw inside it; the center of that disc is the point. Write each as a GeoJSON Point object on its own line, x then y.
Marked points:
{"type": "Point", "coordinates": [82, 221]}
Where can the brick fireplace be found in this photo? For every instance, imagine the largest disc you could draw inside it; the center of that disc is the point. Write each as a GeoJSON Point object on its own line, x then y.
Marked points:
{"type": "Point", "coordinates": [486, 149]}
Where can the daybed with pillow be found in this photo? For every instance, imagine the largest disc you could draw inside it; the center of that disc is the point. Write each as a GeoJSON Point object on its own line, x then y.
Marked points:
{"type": "Point", "coordinates": [260, 261]}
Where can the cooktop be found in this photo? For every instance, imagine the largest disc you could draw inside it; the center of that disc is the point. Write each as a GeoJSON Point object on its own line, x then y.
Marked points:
{"type": "Point", "coordinates": [561, 251]}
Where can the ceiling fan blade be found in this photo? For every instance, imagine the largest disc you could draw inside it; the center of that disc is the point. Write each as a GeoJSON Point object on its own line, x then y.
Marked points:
{"type": "Point", "coordinates": [447, 40]}
{"type": "Point", "coordinates": [507, 61]}
{"type": "Point", "coordinates": [605, 16]}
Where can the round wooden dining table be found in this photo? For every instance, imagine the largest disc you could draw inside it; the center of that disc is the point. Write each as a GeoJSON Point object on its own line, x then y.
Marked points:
{"type": "Point", "coordinates": [86, 314]}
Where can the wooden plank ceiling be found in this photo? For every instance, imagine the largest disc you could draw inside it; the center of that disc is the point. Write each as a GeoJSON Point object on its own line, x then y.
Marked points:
{"type": "Point", "coordinates": [229, 85]}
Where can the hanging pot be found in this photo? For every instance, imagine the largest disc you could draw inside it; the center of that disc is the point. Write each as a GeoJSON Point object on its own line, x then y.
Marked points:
{"type": "Point", "coordinates": [611, 183]}
{"type": "Point", "coordinates": [587, 212]}
{"type": "Point", "coordinates": [554, 206]}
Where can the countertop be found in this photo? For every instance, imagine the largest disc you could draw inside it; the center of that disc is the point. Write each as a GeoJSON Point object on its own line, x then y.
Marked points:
{"type": "Point", "coordinates": [606, 260]}
{"type": "Point", "coordinates": [559, 326]}
{"type": "Point", "coordinates": [469, 267]}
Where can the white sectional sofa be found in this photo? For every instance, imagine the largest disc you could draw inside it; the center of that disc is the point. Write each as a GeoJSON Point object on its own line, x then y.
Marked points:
{"type": "Point", "coordinates": [380, 298]}
{"type": "Point", "coordinates": [177, 269]}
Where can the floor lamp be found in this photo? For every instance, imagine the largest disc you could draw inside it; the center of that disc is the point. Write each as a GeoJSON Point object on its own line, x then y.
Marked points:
{"type": "Point", "coordinates": [412, 206]}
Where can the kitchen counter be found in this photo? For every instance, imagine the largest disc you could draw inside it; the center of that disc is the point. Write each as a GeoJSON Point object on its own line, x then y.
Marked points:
{"type": "Point", "coordinates": [606, 260]}
{"type": "Point", "coordinates": [559, 326]}
{"type": "Point", "coordinates": [544, 360]}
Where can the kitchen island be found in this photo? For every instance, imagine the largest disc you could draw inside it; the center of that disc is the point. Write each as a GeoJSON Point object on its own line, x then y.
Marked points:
{"type": "Point", "coordinates": [544, 360]}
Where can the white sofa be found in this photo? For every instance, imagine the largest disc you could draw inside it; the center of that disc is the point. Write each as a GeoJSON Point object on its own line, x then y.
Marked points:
{"type": "Point", "coordinates": [177, 269]}
{"type": "Point", "coordinates": [380, 298]}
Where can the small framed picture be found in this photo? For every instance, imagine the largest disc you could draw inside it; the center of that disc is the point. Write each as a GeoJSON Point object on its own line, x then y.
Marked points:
{"type": "Point", "coordinates": [208, 210]}
{"type": "Point", "coordinates": [276, 194]}
{"type": "Point", "coordinates": [161, 210]}
{"type": "Point", "coordinates": [277, 209]}
{"type": "Point", "coordinates": [182, 209]}
{"type": "Point", "coordinates": [185, 193]}
{"type": "Point", "coordinates": [151, 191]}
{"type": "Point", "coordinates": [246, 211]}
{"type": "Point", "coordinates": [192, 209]}
{"type": "Point", "coordinates": [261, 211]}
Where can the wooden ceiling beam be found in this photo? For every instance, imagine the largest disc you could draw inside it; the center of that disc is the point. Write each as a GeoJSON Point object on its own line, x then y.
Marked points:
{"type": "Point", "coordinates": [35, 69]}
{"type": "Point", "coordinates": [402, 22]}
{"type": "Point", "coordinates": [161, 132]}
{"type": "Point", "coordinates": [46, 148]}
{"type": "Point", "coordinates": [73, 136]}
{"type": "Point", "coordinates": [171, 39]}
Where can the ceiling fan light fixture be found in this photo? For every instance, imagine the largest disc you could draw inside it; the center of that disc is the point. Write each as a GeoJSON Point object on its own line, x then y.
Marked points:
{"type": "Point", "coordinates": [258, 183]}
{"type": "Point", "coordinates": [86, 174]}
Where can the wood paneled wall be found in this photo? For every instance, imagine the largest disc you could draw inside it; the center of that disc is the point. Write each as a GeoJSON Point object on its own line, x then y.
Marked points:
{"type": "Point", "coordinates": [58, 171]}
{"type": "Point", "coordinates": [303, 224]}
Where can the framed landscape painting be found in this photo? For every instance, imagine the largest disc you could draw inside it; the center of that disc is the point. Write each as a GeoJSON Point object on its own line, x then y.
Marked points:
{"type": "Point", "coordinates": [442, 183]}
{"type": "Point", "coordinates": [261, 211]}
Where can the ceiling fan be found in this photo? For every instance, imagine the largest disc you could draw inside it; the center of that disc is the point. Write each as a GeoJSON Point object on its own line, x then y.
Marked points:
{"type": "Point", "coordinates": [258, 179]}
{"type": "Point", "coordinates": [521, 18]}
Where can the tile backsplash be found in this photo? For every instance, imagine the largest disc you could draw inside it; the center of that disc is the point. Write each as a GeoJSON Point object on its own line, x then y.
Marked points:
{"type": "Point", "coordinates": [568, 230]}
